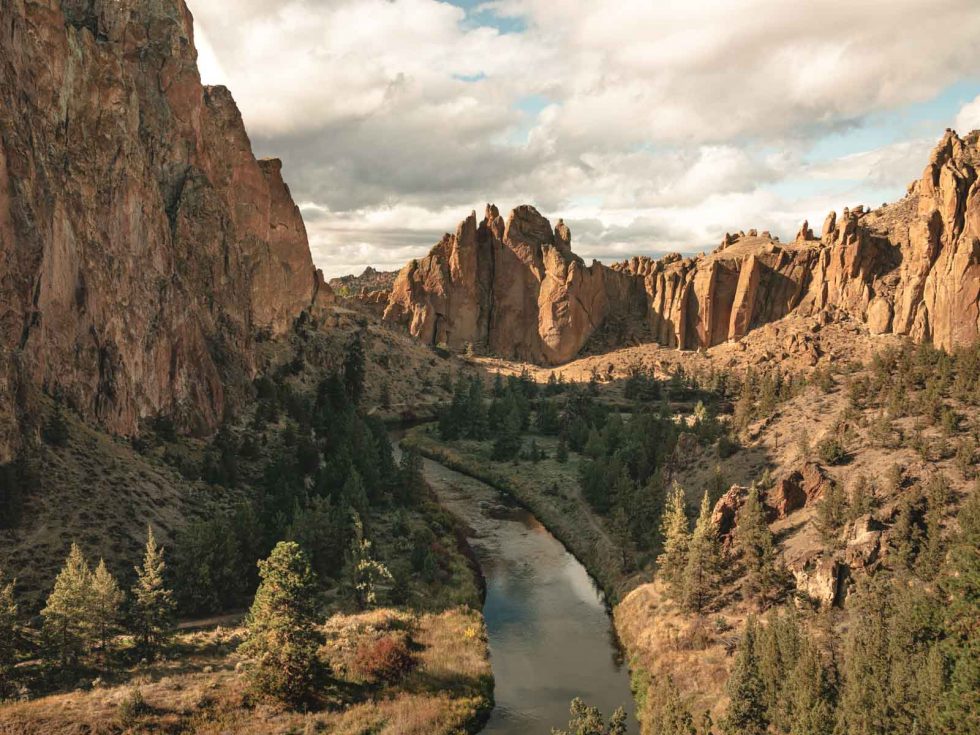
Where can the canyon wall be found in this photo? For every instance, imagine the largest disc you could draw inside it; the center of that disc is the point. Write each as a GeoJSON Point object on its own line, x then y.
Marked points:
{"type": "Point", "coordinates": [143, 248]}
{"type": "Point", "coordinates": [515, 288]}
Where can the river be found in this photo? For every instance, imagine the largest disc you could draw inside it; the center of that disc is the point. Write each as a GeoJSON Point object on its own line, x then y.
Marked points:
{"type": "Point", "coordinates": [551, 637]}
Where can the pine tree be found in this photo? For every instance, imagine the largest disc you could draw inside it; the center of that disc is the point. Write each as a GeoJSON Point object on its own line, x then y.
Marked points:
{"type": "Point", "coordinates": [865, 672]}
{"type": "Point", "coordinates": [746, 713]}
{"type": "Point", "coordinates": [588, 720]}
{"type": "Point", "coordinates": [9, 633]}
{"type": "Point", "coordinates": [675, 531]}
{"type": "Point", "coordinates": [367, 576]}
{"type": "Point", "coordinates": [153, 604]}
{"type": "Point", "coordinates": [810, 694]}
{"type": "Point", "coordinates": [777, 650]}
{"type": "Point", "coordinates": [354, 369]}
{"type": "Point", "coordinates": [67, 613]}
{"type": "Point", "coordinates": [961, 584]}
{"type": "Point", "coordinates": [668, 715]}
{"type": "Point", "coordinates": [832, 514]}
{"type": "Point", "coordinates": [937, 500]}
{"type": "Point", "coordinates": [106, 601]}
{"type": "Point", "coordinates": [281, 637]}
{"type": "Point", "coordinates": [701, 575]}
{"type": "Point", "coordinates": [561, 454]}
{"type": "Point", "coordinates": [753, 540]}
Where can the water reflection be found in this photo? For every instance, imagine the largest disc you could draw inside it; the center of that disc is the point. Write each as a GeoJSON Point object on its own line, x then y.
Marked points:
{"type": "Point", "coordinates": [551, 638]}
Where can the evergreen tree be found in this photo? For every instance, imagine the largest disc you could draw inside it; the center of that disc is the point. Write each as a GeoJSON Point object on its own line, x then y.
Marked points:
{"type": "Point", "coordinates": [753, 540]}
{"type": "Point", "coordinates": [281, 638]}
{"type": "Point", "coordinates": [588, 720]}
{"type": "Point", "coordinates": [9, 633]}
{"type": "Point", "coordinates": [810, 694]}
{"type": "Point", "coordinates": [937, 500]}
{"type": "Point", "coordinates": [354, 369]}
{"type": "Point", "coordinates": [701, 575]}
{"type": "Point", "coordinates": [668, 715]}
{"type": "Point", "coordinates": [153, 604]}
{"type": "Point", "coordinates": [67, 613]}
{"type": "Point", "coordinates": [961, 584]}
{"type": "Point", "coordinates": [367, 576]}
{"type": "Point", "coordinates": [561, 453]}
{"type": "Point", "coordinates": [865, 674]}
{"type": "Point", "coordinates": [508, 442]}
{"type": "Point", "coordinates": [411, 481]}
{"type": "Point", "coordinates": [107, 599]}
{"type": "Point", "coordinates": [746, 713]}
{"type": "Point", "coordinates": [777, 649]}
{"type": "Point", "coordinates": [832, 513]}
{"type": "Point", "coordinates": [55, 430]}
{"type": "Point", "coordinates": [675, 531]}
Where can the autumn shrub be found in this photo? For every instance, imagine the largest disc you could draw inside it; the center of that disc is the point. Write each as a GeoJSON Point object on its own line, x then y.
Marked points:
{"type": "Point", "coordinates": [385, 659]}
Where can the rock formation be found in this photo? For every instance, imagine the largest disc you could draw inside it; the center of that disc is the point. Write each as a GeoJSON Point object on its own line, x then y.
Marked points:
{"type": "Point", "coordinates": [517, 290]}
{"type": "Point", "coordinates": [143, 246]}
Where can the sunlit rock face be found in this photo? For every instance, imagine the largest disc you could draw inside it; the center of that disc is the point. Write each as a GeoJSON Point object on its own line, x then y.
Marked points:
{"type": "Point", "coordinates": [514, 288]}
{"type": "Point", "coordinates": [143, 245]}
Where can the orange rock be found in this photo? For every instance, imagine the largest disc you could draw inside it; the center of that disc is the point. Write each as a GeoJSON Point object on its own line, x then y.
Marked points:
{"type": "Point", "coordinates": [142, 246]}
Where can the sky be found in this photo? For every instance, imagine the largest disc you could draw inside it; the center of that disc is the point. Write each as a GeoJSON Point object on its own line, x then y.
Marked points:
{"type": "Point", "coordinates": [650, 126]}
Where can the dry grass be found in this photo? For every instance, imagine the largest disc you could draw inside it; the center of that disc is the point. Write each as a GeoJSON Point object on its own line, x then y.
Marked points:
{"type": "Point", "coordinates": [202, 690]}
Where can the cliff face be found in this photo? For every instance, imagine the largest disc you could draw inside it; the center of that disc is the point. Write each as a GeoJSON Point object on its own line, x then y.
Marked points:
{"type": "Point", "coordinates": [142, 246]}
{"type": "Point", "coordinates": [517, 290]}
{"type": "Point", "coordinates": [512, 288]}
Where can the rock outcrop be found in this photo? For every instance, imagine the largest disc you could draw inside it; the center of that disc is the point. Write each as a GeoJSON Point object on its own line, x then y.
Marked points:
{"type": "Point", "coordinates": [143, 248]}
{"type": "Point", "coordinates": [516, 289]}
{"type": "Point", "coordinates": [512, 288]}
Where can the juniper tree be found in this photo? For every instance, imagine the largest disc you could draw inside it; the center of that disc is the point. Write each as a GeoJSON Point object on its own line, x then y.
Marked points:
{"type": "Point", "coordinates": [106, 599]}
{"type": "Point", "coordinates": [675, 532]}
{"type": "Point", "coordinates": [153, 603]}
{"type": "Point", "coordinates": [746, 714]}
{"type": "Point", "coordinates": [702, 572]}
{"type": "Point", "coordinates": [937, 499]}
{"type": "Point", "coordinates": [67, 612]}
{"type": "Point", "coordinates": [8, 634]}
{"type": "Point", "coordinates": [832, 513]}
{"type": "Point", "coordinates": [281, 639]}
{"type": "Point", "coordinates": [753, 540]}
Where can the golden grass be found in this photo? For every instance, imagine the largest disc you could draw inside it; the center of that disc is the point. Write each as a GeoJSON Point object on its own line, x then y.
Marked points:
{"type": "Point", "coordinates": [202, 692]}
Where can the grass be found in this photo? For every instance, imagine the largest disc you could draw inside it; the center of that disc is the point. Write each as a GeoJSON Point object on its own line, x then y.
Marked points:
{"type": "Point", "coordinates": [201, 690]}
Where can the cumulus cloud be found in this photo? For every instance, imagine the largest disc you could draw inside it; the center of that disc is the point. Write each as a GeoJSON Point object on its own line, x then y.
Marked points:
{"type": "Point", "coordinates": [652, 125]}
{"type": "Point", "coordinates": [969, 117]}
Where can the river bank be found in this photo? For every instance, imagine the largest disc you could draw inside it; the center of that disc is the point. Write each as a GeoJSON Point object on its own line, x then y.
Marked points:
{"type": "Point", "coordinates": [539, 598]}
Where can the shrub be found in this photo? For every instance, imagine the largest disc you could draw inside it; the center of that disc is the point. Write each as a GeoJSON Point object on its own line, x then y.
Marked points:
{"type": "Point", "coordinates": [726, 446]}
{"type": "Point", "coordinates": [132, 707]}
{"type": "Point", "coordinates": [385, 660]}
{"type": "Point", "coordinates": [831, 450]}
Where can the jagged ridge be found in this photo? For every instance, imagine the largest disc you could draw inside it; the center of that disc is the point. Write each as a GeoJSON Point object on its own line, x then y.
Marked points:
{"type": "Point", "coordinates": [517, 290]}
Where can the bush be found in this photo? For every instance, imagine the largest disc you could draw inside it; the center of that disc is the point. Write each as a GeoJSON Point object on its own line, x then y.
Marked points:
{"type": "Point", "coordinates": [132, 707]}
{"type": "Point", "coordinates": [726, 446]}
{"type": "Point", "coordinates": [385, 660]}
{"type": "Point", "coordinates": [832, 451]}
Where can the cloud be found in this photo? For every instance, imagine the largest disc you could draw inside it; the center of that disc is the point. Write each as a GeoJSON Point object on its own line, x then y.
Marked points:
{"type": "Point", "coordinates": [656, 125]}
{"type": "Point", "coordinates": [968, 118]}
